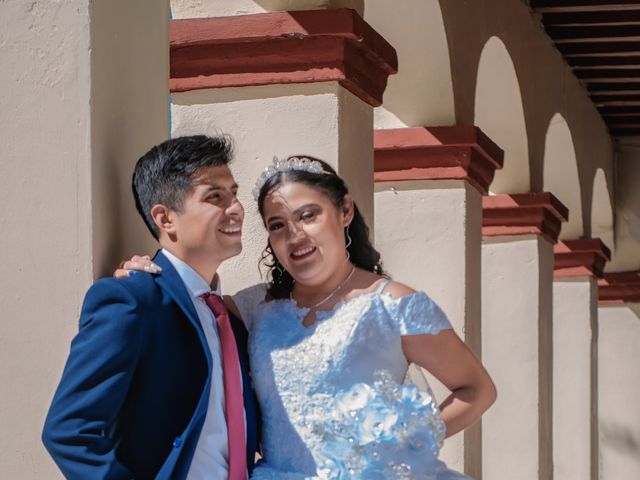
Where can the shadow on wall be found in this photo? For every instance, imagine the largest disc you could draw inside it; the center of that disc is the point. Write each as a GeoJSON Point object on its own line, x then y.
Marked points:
{"type": "Point", "coordinates": [108, 231]}
{"type": "Point", "coordinates": [622, 439]}
{"type": "Point", "coordinates": [602, 211]}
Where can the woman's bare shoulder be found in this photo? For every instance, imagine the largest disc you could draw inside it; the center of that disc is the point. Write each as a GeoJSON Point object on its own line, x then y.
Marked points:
{"type": "Point", "coordinates": [397, 289]}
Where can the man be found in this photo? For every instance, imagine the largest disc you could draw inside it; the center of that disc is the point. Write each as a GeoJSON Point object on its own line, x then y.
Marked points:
{"type": "Point", "coordinates": [157, 376]}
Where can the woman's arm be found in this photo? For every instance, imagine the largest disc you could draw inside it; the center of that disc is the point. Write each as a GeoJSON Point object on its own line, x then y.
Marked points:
{"type": "Point", "coordinates": [448, 359]}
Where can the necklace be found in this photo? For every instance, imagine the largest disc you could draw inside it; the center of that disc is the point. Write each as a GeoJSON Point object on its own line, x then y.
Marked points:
{"type": "Point", "coordinates": [335, 290]}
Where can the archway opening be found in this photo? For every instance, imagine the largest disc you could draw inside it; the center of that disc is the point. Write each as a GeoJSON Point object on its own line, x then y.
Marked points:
{"type": "Point", "coordinates": [421, 93]}
{"type": "Point", "coordinates": [499, 113]}
{"type": "Point", "coordinates": [561, 174]}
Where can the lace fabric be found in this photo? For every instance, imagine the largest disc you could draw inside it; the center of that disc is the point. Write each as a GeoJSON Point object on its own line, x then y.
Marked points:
{"type": "Point", "coordinates": [331, 394]}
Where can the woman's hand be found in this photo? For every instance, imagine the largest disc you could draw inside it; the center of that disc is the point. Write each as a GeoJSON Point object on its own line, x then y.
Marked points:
{"type": "Point", "coordinates": [448, 359]}
{"type": "Point", "coordinates": [137, 263]}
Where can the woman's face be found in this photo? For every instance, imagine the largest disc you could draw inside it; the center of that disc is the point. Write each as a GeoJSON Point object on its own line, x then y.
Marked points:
{"type": "Point", "coordinates": [306, 231]}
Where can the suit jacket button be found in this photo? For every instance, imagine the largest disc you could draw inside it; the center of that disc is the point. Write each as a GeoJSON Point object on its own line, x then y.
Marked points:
{"type": "Point", "coordinates": [177, 442]}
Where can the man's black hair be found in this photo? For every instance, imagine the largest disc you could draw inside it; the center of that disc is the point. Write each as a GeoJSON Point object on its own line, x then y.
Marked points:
{"type": "Point", "coordinates": [164, 175]}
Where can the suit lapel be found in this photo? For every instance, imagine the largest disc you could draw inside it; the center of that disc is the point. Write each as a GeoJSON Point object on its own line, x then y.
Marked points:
{"type": "Point", "coordinates": [170, 282]}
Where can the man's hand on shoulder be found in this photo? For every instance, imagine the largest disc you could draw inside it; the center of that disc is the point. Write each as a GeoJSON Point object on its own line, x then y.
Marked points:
{"type": "Point", "coordinates": [137, 263]}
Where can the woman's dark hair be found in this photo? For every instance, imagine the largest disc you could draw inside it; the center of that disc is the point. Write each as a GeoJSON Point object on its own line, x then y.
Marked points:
{"type": "Point", "coordinates": [361, 251]}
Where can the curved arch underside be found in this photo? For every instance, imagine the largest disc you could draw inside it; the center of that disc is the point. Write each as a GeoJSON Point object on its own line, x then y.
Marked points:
{"type": "Point", "coordinates": [561, 174]}
{"type": "Point", "coordinates": [421, 93]}
{"type": "Point", "coordinates": [500, 114]}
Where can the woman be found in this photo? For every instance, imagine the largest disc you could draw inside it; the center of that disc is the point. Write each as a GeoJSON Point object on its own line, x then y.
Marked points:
{"type": "Point", "coordinates": [331, 339]}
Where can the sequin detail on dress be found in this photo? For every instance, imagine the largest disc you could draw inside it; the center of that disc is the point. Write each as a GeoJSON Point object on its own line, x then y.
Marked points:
{"type": "Point", "coordinates": [381, 429]}
{"type": "Point", "coordinates": [331, 395]}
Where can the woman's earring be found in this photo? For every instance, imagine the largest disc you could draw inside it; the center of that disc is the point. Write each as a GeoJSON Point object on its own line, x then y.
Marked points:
{"type": "Point", "coordinates": [346, 233]}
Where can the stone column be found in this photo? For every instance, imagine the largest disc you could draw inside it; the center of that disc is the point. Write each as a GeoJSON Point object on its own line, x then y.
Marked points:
{"type": "Point", "coordinates": [619, 375]}
{"type": "Point", "coordinates": [280, 84]}
{"type": "Point", "coordinates": [429, 184]}
{"type": "Point", "coordinates": [578, 265]}
{"type": "Point", "coordinates": [85, 87]}
{"type": "Point", "coordinates": [517, 278]}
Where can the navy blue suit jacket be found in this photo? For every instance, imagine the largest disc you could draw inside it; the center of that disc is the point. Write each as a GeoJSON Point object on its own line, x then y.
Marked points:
{"type": "Point", "coordinates": [134, 392]}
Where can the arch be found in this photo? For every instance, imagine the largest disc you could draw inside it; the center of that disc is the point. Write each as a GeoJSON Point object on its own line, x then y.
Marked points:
{"type": "Point", "coordinates": [421, 93]}
{"type": "Point", "coordinates": [560, 174]}
{"type": "Point", "coordinates": [602, 211]}
{"type": "Point", "coordinates": [499, 113]}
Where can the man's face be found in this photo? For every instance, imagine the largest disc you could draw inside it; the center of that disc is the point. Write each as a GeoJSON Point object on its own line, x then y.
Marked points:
{"type": "Point", "coordinates": [209, 225]}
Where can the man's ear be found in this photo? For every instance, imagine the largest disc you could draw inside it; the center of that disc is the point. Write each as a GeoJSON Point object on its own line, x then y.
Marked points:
{"type": "Point", "coordinates": [348, 209]}
{"type": "Point", "coordinates": [163, 217]}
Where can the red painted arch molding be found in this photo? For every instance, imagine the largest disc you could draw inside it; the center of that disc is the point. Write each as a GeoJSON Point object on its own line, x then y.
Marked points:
{"type": "Point", "coordinates": [436, 153]}
{"type": "Point", "coordinates": [619, 288]}
{"type": "Point", "coordinates": [523, 213]}
{"type": "Point", "coordinates": [577, 258]}
{"type": "Point", "coordinates": [280, 48]}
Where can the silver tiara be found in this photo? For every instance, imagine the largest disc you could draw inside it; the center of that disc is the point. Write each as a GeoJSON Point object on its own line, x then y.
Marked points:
{"type": "Point", "coordinates": [292, 163]}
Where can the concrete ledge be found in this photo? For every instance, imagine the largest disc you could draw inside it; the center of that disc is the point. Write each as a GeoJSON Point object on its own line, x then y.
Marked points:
{"type": "Point", "coordinates": [619, 287]}
{"type": "Point", "coordinates": [577, 258]}
{"type": "Point", "coordinates": [523, 213]}
{"type": "Point", "coordinates": [279, 48]}
{"type": "Point", "coordinates": [436, 153]}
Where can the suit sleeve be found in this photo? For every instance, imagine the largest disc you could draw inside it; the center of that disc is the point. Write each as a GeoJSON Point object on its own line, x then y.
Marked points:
{"type": "Point", "coordinates": [95, 383]}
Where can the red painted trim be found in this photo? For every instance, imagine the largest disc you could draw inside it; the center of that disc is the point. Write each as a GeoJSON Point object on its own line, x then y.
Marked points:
{"type": "Point", "coordinates": [577, 258]}
{"type": "Point", "coordinates": [619, 288]}
{"type": "Point", "coordinates": [436, 153]}
{"type": "Point", "coordinates": [523, 213]}
{"type": "Point", "coordinates": [281, 47]}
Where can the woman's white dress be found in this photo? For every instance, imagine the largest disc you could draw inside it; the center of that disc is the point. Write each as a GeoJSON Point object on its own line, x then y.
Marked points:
{"type": "Point", "coordinates": [331, 395]}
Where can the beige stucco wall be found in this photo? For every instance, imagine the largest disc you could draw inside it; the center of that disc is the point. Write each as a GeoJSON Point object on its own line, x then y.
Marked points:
{"type": "Point", "coordinates": [322, 119]}
{"type": "Point", "coordinates": [574, 377]}
{"type": "Point", "coordinates": [421, 93]}
{"type": "Point", "coordinates": [517, 275]}
{"type": "Point", "coordinates": [619, 390]}
{"type": "Point", "coordinates": [129, 114]}
{"type": "Point", "coordinates": [70, 130]}
{"type": "Point", "coordinates": [209, 8]}
{"type": "Point", "coordinates": [428, 233]}
{"type": "Point", "coordinates": [499, 112]}
{"type": "Point", "coordinates": [46, 240]}
{"type": "Point", "coordinates": [561, 174]}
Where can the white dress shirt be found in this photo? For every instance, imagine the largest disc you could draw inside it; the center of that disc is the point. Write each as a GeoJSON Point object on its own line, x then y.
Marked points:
{"type": "Point", "coordinates": [211, 457]}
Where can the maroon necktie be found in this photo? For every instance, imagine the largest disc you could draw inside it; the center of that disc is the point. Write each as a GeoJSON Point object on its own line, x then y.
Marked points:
{"type": "Point", "coordinates": [234, 403]}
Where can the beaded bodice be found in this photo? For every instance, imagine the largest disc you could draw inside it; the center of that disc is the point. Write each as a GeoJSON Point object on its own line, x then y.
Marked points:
{"type": "Point", "coordinates": [331, 394]}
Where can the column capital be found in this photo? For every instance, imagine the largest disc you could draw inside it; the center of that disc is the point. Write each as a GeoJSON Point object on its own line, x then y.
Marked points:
{"type": "Point", "coordinates": [577, 258]}
{"type": "Point", "coordinates": [280, 48]}
{"type": "Point", "coordinates": [436, 153]}
{"type": "Point", "coordinates": [619, 287]}
{"type": "Point", "coordinates": [522, 214]}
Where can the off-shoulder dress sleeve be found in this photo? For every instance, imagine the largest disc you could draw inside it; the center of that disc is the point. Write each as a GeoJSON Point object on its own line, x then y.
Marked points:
{"type": "Point", "coordinates": [415, 314]}
{"type": "Point", "coordinates": [250, 302]}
